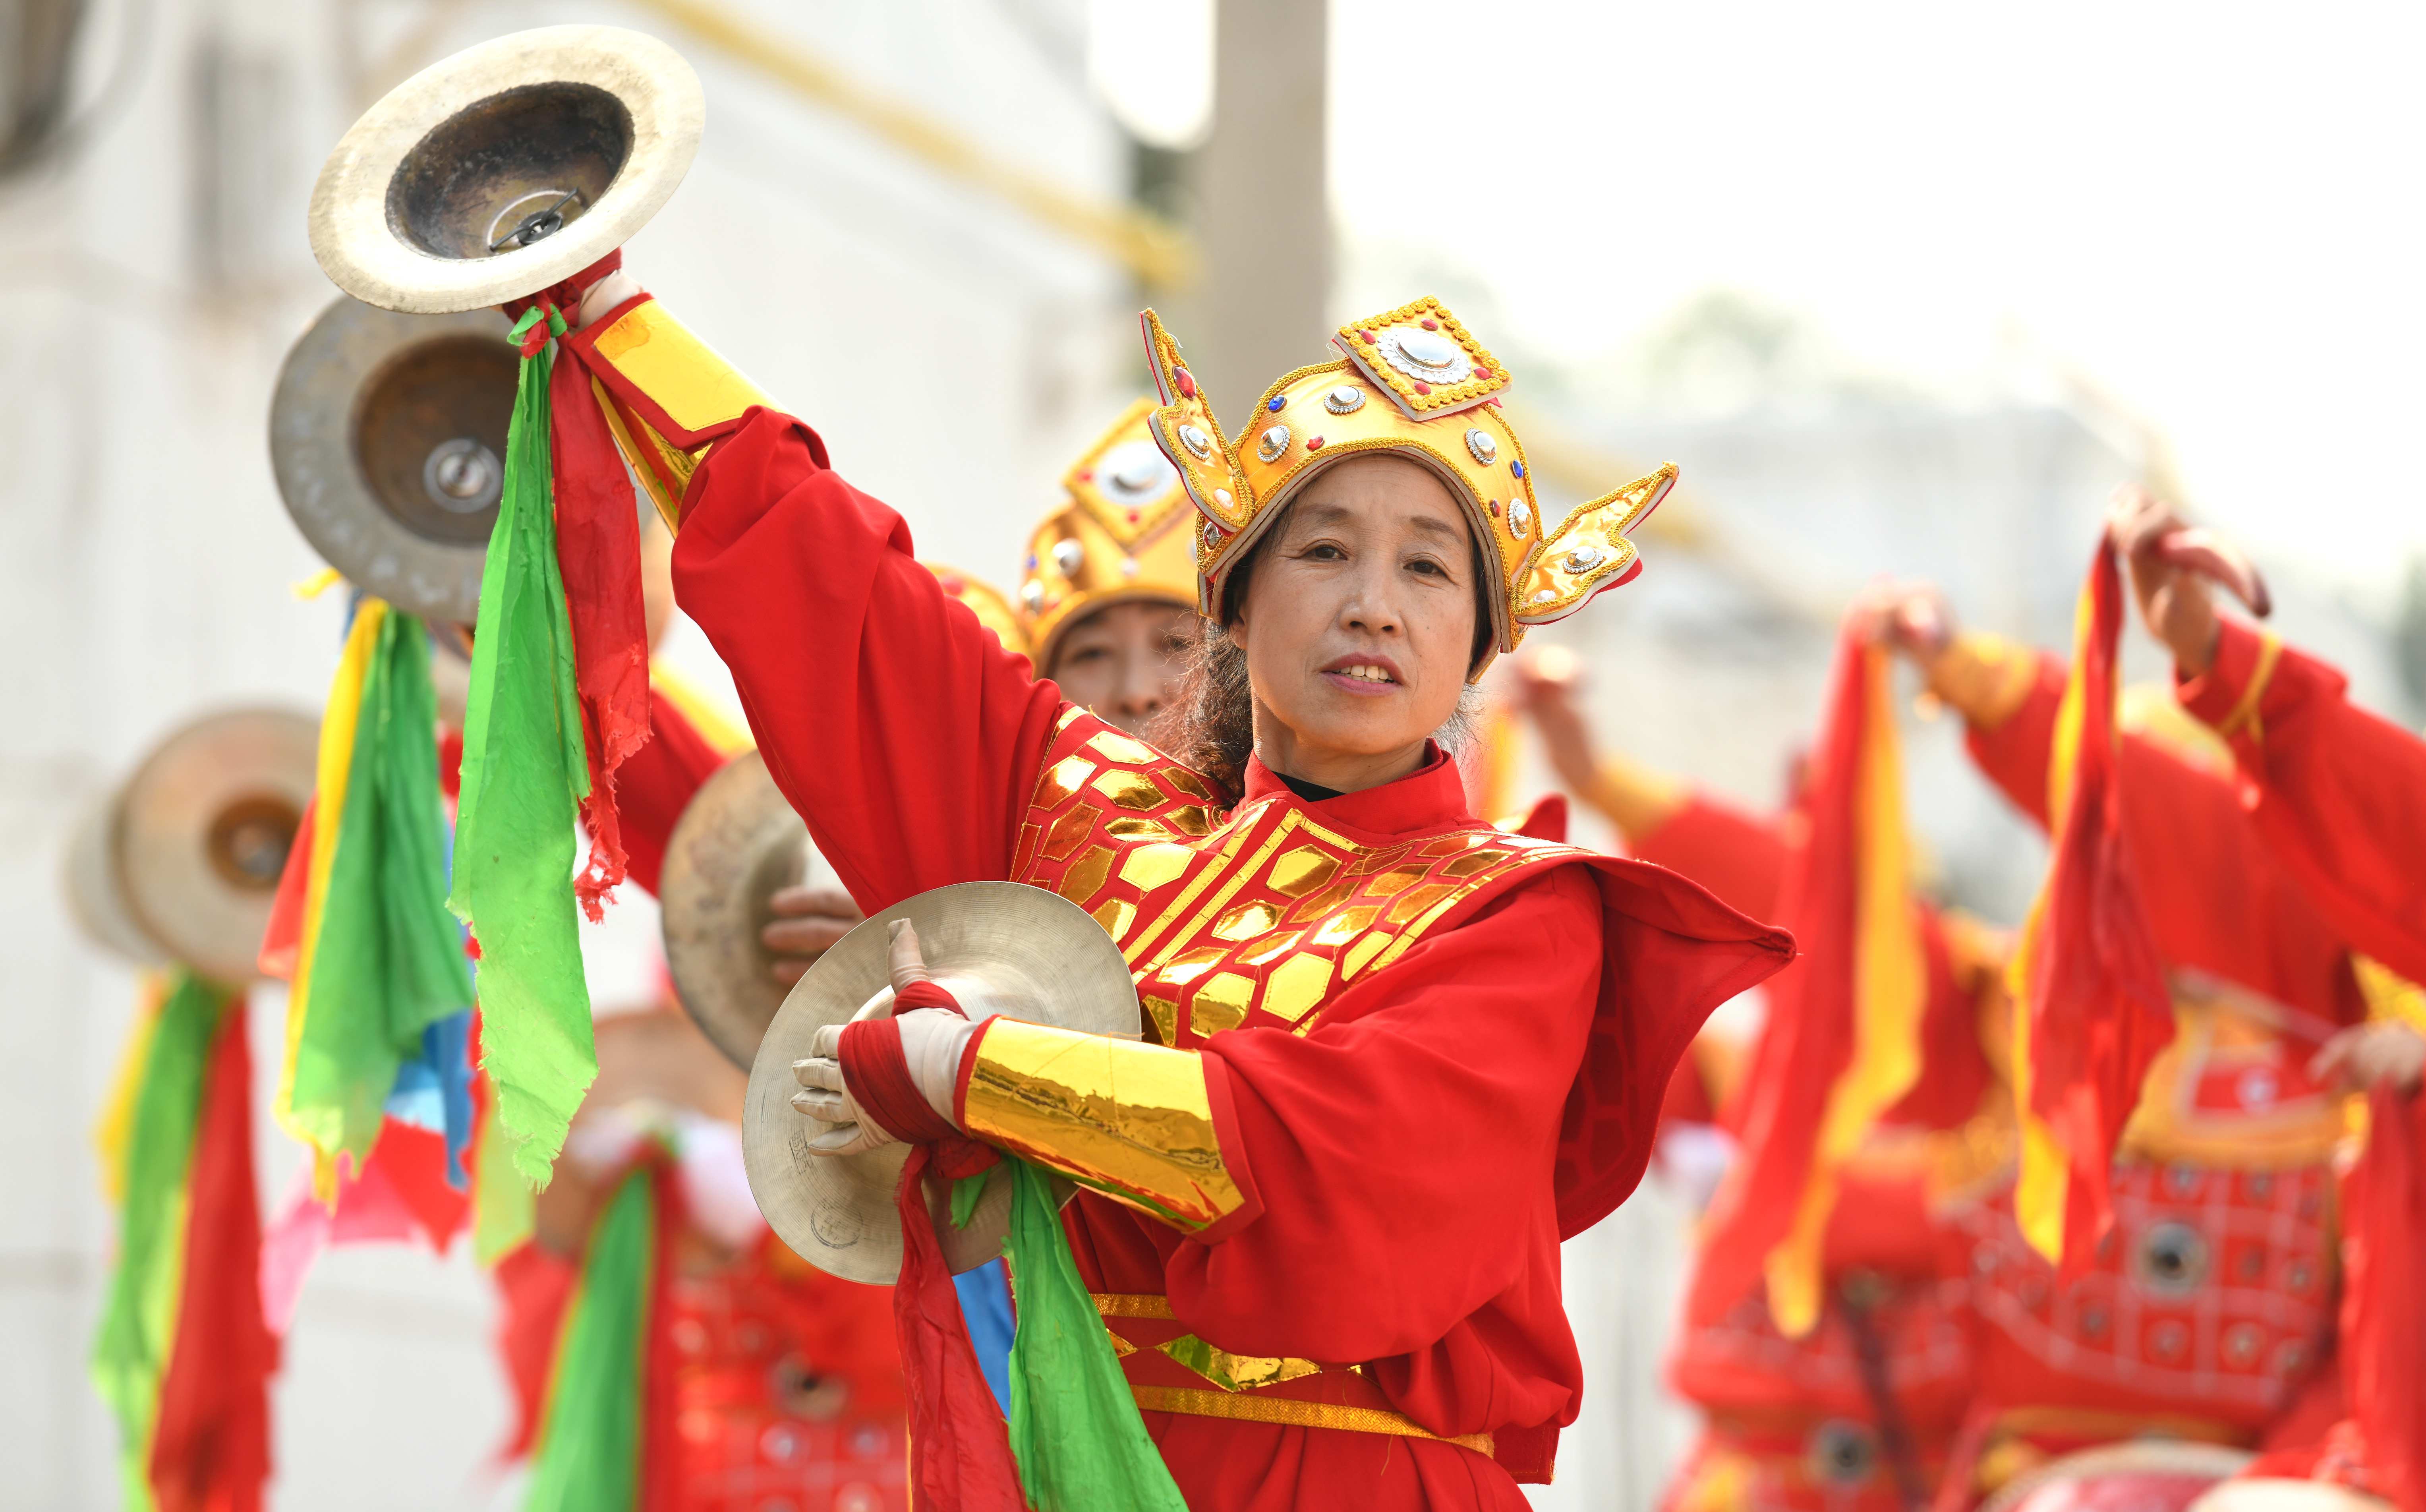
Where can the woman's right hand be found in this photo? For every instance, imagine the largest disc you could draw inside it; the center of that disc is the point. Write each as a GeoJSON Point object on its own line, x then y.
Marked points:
{"type": "Point", "coordinates": [1546, 683]}
{"type": "Point", "coordinates": [1907, 616]}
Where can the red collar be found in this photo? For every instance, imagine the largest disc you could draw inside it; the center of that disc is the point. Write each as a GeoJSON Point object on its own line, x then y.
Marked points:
{"type": "Point", "coordinates": [1427, 797]}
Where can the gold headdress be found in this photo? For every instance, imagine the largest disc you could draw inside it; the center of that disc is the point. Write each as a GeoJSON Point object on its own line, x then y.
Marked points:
{"type": "Point", "coordinates": [1118, 537]}
{"type": "Point", "coordinates": [1415, 383]}
{"type": "Point", "coordinates": [986, 602]}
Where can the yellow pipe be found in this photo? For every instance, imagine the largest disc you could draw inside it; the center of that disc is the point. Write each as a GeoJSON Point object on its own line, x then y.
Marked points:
{"type": "Point", "coordinates": [1162, 255]}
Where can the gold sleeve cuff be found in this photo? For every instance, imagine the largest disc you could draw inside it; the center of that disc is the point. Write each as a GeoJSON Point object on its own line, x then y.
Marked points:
{"type": "Point", "coordinates": [1985, 677]}
{"type": "Point", "coordinates": [1132, 1121]}
{"type": "Point", "coordinates": [667, 394]}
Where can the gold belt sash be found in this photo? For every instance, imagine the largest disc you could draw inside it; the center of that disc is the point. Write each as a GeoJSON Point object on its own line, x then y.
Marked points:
{"type": "Point", "coordinates": [1170, 1370]}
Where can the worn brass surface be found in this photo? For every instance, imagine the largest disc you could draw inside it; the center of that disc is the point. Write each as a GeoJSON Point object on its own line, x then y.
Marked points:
{"type": "Point", "coordinates": [181, 862]}
{"type": "Point", "coordinates": [734, 848]}
{"type": "Point", "coordinates": [1000, 948]}
{"type": "Point", "coordinates": [510, 166]}
{"type": "Point", "coordinates": [388, 435]}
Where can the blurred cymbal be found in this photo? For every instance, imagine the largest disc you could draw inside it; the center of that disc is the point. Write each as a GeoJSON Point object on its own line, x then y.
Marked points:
{"type": "Point", "coordinates": [510, 166]}
{"type": "Point", "coordinates": [1000, 948]}
{"type": "Point", "coordinates": [182, 862]}
{"type": "Point", "coordinates": [736, 845]}
{"type": "Point", "coordinates": [387, 434]}
{"type": "Point", "coordinates": [2155, 1475]}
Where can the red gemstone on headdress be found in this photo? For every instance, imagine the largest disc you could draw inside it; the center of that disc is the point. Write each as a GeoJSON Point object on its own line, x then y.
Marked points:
{"type": "Point", "coordinates": [1493, 505]}
{"type": "Point", "coordinates": [1086, 475]}
{"type": "Point", "coordinates": [1423, 389]}
{"type": "Point", "coordinates": [1313, 443]}
{"type": "Point", "coordinates": [1133, 516]}
{"type": "Point", "coordinates": [953, 586]}
{"type": "Point", "coordinates": [1187, 385]}
{"type": "Point", "coordinates": [1368, 336]}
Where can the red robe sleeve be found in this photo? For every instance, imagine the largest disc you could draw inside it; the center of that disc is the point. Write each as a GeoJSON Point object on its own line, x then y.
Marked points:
{"type": "Point", "coordinates": [2217, 898]}
{"type": "Point", "coordinates": [1457, 1062]}
{"type": "Point", "coordinates": [656, 782]}
{"type": "Point", "coordinates": [1736, 854]}
{"type": "Point", "coordinates": [2339, 795]}
{"type": "Point", "coordinates": [894, 721]}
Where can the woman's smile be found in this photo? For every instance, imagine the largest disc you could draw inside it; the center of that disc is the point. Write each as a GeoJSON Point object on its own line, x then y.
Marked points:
{"type": "Point", "coordinates": [1364, 675]}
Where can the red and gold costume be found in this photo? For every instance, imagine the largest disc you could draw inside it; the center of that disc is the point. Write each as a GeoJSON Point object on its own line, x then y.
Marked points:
{"type": "Point", "coordinates": [2205, 1311]}
{"type": "Point", "coordinates": [1802, 1422]}
{"type": "Point", "coordinates": [2339, 795]}
{"type": "Point", "coordinates": [1401, 1053]}
{"type": "Point", "coordinates": [771, 1383]}
{"type": "Point", "coordinates": [1120, 538]}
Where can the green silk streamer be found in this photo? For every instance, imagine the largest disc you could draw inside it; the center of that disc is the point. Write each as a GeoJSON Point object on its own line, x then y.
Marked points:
{"type": "Point", "coordinates": [588, 1454]}
{"type": "Point", "coordinates": [139, 1318]}
{"type": "Point", "coordinates": [525, 773]}
{"type": "Point", "coordinates": [1073, 1425]}
{"type": "Point", "coordinates": [388, 960]}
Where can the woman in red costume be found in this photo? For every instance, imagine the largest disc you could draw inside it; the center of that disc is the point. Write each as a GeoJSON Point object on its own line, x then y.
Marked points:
{"type": "Point", "coordinates": [1397, 1054]}
{"type": "Point", "coordinates": [2204, 1314]}
{"type": "Point", "coordinates": [1858, 1414]}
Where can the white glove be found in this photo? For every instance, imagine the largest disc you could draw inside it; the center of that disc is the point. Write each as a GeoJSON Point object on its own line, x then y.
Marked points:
{"type": "Point", "coordinates": [933, 1040]}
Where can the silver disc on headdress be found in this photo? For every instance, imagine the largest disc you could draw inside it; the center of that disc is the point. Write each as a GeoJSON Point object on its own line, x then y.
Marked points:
{"type": "Point", "coordinates": [387, 434]}
{"type": "Point", "coordinates": [736, 845]}
{"type": "Point", "coordinates": [182, 862]}
{"type": "Point", "coordinates": [1000, 948]}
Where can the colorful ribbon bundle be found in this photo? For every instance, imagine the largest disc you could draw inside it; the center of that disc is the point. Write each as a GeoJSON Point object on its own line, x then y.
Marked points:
{"type": "Point", "coordinates": [1843, 1039]}
{"type": "Point", "coordinates": [558, 700]}
{"type": "Point", "coordinates": [1073, 1439]}
{"type": "Point", "coordinates": [2091, 1009]}
{"type": "Point", "coordinates": [183, 1355]}
{"type": "Point", "coordinates": [377, 1015]}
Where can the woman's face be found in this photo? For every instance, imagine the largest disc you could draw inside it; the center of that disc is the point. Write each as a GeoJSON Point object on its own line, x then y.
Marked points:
{"type": "Point", "coordinates": [1123, 661]}
{"type": "Point", "coordinates": [1358, 624]}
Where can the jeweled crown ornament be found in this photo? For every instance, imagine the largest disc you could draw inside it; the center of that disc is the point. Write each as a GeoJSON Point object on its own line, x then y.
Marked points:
{"type": "Point", "coordinates": [1119, 538]}
{"type": "Point", "coordinates": [1415, 383]}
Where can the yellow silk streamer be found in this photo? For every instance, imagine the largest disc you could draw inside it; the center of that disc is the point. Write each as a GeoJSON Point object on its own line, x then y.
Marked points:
{"type": "Point", "coordinates": [109, 1130]}
{"type": "Point", "coordinates": [2045, 1183]}
{"type": "Point", "coordinates": [335, 767]}
{"type": "Point", "coordinates": [1890, 991]}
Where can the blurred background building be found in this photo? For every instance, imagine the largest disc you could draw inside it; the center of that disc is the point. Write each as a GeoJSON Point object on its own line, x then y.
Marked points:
{"type": "Point", "coordinates": [927, 225]}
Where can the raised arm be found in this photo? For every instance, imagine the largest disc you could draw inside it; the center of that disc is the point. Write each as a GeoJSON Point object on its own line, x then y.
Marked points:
{"type": "Point", "coordinates": [2338, 793]}
{"type": "Point", "coordinates": [895, 723]}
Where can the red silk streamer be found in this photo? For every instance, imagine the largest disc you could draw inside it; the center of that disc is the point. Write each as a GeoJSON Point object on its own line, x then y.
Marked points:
{"type": "Point", "coordinates": [878, 1072]}
{"type": "Point", "coordinates": [598, 555]}
{"type": "Point", "coordinates": [1808, 1040]}
{"type": "Point", "coordinates": [210, 1449]}
{"type": "Point", "coordinates": [959, 1447]}
{"type": "Point", "coordinates": [2095, 1003]}
{"type": "Point", "coordinates": [2384, 1298]}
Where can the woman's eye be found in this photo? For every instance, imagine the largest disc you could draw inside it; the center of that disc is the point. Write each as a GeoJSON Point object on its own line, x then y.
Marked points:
{"type": "Point", "coordinates": [1325, 551]}
{"type": "Point", "coordinates": [1425, 565]}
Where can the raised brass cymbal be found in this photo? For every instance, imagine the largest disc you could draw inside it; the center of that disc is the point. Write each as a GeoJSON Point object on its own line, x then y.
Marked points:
{"type": "Point", "coordinates": [1001, 948]}
{"type": "Point", "coordinates": [387, 434]}
{"type": "Point", "coordinates": [736, 845]}
{"type": "Point", "coordinates": [182, 862]}
{"type": "Point", "coordinates": [510, 166]}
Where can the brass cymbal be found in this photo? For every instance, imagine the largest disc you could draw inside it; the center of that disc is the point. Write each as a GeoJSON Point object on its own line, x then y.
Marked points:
{"type": "Point", "coordinates": [387, 434]}
{"type": "Point", "coordinates": [192, 844]}
{"type": "Point", "coordinates": [96, 898]}
{"type": "Point", "coordinates": [506, 168]}
{"type": "Point", "coordinates": [2058, 1485]}
{"type": "Point", "coordinates": [736, 844]}
{"type": "Point", "coordinates": [1001, 948]}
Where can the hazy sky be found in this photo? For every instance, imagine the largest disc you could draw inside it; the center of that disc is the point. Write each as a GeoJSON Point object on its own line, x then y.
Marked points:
{"type": "Point", "coordinates": [2212, 211]}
